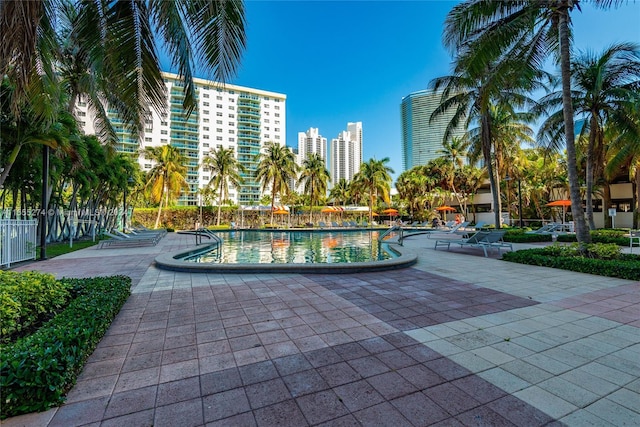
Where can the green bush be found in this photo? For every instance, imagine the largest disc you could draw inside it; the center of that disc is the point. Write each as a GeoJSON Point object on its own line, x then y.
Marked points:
{"type": "Point", "coordinates": [600, 236]}
{"type": "Point", "coordinates": [625, 266]}
{"type": "Point", "coordinates": [519, 236]}
{"type": "Point", "coordinates": [26, 298]}
{"type": "Point", "coordinates": [37, 371]}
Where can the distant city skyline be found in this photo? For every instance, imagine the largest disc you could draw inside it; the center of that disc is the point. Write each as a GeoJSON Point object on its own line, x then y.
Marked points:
{"type": "Point", "coordinates": [361, 70]}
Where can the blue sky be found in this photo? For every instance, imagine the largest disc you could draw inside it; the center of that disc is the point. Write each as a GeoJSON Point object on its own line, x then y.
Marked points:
{"type": "Point", "coordinates": [340, 61]}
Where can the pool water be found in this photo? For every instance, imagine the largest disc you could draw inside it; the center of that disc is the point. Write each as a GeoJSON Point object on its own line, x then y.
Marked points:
{"type": "Point", "coordinates": [302, 247]}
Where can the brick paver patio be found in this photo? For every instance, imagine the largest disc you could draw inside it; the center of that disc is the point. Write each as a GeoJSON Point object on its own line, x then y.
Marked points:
{"type": "Point", "coordinates": [456, 340]}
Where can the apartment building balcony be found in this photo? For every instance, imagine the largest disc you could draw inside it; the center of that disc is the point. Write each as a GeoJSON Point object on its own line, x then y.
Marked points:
{"type": "Point", "coordinates": [190, 129]}
{"type": "Point", "coordinates": [248, 113]}
{"type": "Point", "coordinates": [244, 120]}
{"type": "Point", "coordinates": [248, 96]}
{"type": "Point", "coordinates": [249, 105]}
{"type": "Point", "coordinates": [249, 128]}
{"type": "Point", "coordinates": [184, 137]}
{"type": "Point", "coordinates": [185, 146]}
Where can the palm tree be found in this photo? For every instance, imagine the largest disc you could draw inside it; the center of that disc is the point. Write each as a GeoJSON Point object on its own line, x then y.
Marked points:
{"type": "Point", "coordinates": [315, 177]}
{"type": "Point", "coordinates": [120, 40]}
{"type": "Point", "coordinates": [602, 84]}
{"type": "Point", "coordinates": [455, 150]}
{"type": "Point", "coordinates": [529, 30]}
{"type": "Point", "coordinates": [225, 169]}
{"type": "Point", "coordinates": [277, 168]}
{"type": "Point", "coordinates": [374, 179]}
{"type": "Point", "coordinates": [167, 177]}
{"type": "Point", "coordinates": [339, 193]}
{"type": "Point", "coordinates": [472, 94]}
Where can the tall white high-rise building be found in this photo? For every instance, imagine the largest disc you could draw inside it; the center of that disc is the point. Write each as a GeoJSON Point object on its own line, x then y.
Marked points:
{"type": "Point", "coordinates": [228, 116]}
{"type": "Point", "coordinates": [311, 142]}
{"type": "Point", "coordinates": [346, 153]}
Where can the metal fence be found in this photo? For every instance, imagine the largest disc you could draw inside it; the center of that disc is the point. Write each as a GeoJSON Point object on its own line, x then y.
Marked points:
{"type": "Point", "coordinates": [17, 240]}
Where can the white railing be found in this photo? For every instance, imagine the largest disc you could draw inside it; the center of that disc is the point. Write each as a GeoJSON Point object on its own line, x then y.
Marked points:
{"type": "Point", "coordinates": [17, 240]}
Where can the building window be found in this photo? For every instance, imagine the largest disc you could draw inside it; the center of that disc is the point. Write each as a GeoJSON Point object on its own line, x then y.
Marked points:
{"type": "Point", "coordinates": [82, 114]}
{"type": "Point", "coordinates": [205, 145]}
{"type": "Point", "coordinates": [232, 116]}
{"type": "Point", "coordinates": [218, 122]}
{"type": "Point", "coordinates": [266, 105]}
{"type": "Point", "coordinates": [205, 120]}
{"type": "Point", "coordinates": [266, 135]}
{"type": "Point", "coordinates": [231, 131]}
{"type": "Point", "coordinates": [218, 146]}
{"type": "Point", "coordinates": [164, 132]}
{"type": "Point", "coordinates": [277, 129]}
{"type": "Point", "coordinates": [232, 100]}
{"type": "Point", "coordinates": [219, 114]}
{"type": "Point", "coordinates": [232, 140]}
{"type": "Point", "coordinates": [218, 98]}
{"type": "Point", "coordinates": [232, 123]}
{"type": "Point", "coordinates": [218, 138]}
{"type": "Point", "coordinates": [205, 95]}
{"type": "Point", "coordinates": [277, 107]}
{"type": "Point", "coordinates": [266, 120]}
{"type": "Point", "coordinates": [266, 113]}
{"type": "Point", "coordinates": [277, 136]}
{"type": "Point", "coordinates": [164, 123]}
{"type": "Point", "coordinates": [266, 128]}
{"type": "Point", "coordinates": [147, 139]}
{"type": "Point", "coordinates": [147, 165]}
{"type": "Point", "coordinates": [219, 130]}
{"type": "Point", "coordinates": [231, 107]}
{"type": "Point", "coordinates": [277, 114]}
{"type": "Point", "coordinates": [277, 122]}
{"type": "Point", "coordinates": [218, 105]}
{"type": "Point", "coordinates": [205, 128]}
{"type": "Point", "coordinates": [205, 111]}
{"type": "Point", "coordinates": [205, 136]}
{"type": "Point", "coordinates": [206, 104]}
{"type": "Point", "coordinates": [164, 141]}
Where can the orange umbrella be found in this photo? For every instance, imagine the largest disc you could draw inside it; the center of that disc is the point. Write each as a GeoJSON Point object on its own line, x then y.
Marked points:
{"type": "Point", "coordinates": [563, 203]}
{"type": "Point", "coordinates": [559, 203]}
{"type": "Point", "coordinates": [390, 211]}
{"type": "Point", "coordinates": [280, 212]}
{"type": "Point", "coordinates": [446, 208]}
{"type": "Point", "coordinates": [328, 210]}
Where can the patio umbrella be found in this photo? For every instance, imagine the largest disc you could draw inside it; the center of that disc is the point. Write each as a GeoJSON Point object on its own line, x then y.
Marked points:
{"type": "Point", "coordinates": [281, 212]}
{"type": "Point", "coordinates": [560, 203]}
{"type": "Point", "coordinates": [390, 211]}
{"type": "Point", "coordinates": [445, 208]}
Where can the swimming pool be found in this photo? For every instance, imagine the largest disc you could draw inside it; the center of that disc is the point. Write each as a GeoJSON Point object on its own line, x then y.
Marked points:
{"type": "Point", "coordinates": [253, 251]}
{"type": "Point", "coordinates": [247, 246]}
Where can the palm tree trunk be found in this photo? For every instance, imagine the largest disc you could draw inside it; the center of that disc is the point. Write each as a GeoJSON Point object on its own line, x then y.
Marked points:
{"type": "Point", "coordinates": [486, 152]}
{"type": "Point", "coordinates": [220, 199]}
{"type": "Point", "coordinates": [7, 167]}
{"type": "Point", "coordinates": [159, 209]}
{"type": "Point", "coordinates": [589, 173]}
{"type": "Point", "coordinates": [636, 202]}
{"type": "Point", "coordinates": [582, 232]}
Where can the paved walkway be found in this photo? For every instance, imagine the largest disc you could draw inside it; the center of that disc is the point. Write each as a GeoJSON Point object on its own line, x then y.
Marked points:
{"type": "Point", "coordinates": [458, 339]}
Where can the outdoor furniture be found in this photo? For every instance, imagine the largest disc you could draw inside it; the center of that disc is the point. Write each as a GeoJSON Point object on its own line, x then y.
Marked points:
{"type": "Point", "coordinates": [452, 230]}
{"type": "Point", "coordinates": [481, 239]}
{"type": "Point", "coordinates": [120, 240]}
{"type": "Point", "coordinates": [474, 241]}
{"type": "Point", "coordinates": [550, 228]}
{"type": "Point", "coordinates": [634, 239]}
{"type": "Point", "coordinates": [321, 224]}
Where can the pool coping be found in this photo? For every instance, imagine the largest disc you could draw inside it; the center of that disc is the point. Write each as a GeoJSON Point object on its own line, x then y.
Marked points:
{"type": "Point", "coordinates": [168, 261]}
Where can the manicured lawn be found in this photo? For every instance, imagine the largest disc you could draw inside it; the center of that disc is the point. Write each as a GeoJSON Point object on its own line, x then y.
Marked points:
{"type": "Point", "coordinates": [56, 249]}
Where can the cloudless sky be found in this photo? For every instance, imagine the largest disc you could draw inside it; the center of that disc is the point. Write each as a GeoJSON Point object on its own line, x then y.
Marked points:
{"type": "Point", "coordinates": [348, 61]}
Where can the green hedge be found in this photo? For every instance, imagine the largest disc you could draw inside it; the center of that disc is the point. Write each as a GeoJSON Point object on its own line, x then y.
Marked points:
{"type": "Point", "coordinates": [518, 236]}
{"type": "Point", "coordinates": [26, 298]}
{"type": "Point", "coordinates": [626, 266]}
{"type": "Point", "coordinates": [38, 370]}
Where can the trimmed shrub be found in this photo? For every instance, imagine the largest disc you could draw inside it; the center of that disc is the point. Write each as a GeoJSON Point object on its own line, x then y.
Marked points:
{"type": "Point", "coordinates": [519, 236]}
{"type": "Point", "coordinates": [26, 299]}
{"type": "Point", "coordinates": [624, 266]}
{"type": "Point", "coordinates": [37, 371]}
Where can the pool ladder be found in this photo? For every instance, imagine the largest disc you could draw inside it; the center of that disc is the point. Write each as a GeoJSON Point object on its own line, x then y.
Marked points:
{"type": "Point", "coordinates": [389, 231]}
